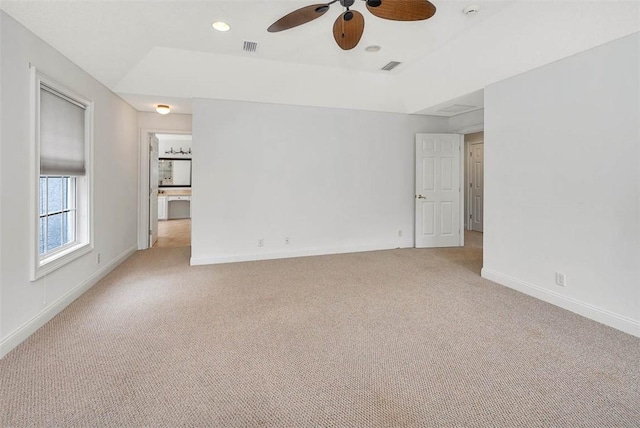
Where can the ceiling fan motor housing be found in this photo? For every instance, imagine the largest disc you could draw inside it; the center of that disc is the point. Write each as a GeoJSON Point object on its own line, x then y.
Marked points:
{"type": "Point", "coordinates": [347, 3]}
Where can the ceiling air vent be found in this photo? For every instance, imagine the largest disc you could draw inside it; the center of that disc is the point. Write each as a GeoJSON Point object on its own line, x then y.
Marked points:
{"type": "Point", "coordinates": [391, 66]}
{"type": "Point", "coordinates": [250, 47]}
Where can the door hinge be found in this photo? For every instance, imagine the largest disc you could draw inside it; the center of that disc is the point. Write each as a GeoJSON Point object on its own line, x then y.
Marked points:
{"type": "Point", "coordinates": [150, 148]}
{"type": "Point", "coordinates": [470, 184]}
{"type": "Point", "coordinates": [470, 216]}
{"type": "Point", "coordinates": [150, 232]}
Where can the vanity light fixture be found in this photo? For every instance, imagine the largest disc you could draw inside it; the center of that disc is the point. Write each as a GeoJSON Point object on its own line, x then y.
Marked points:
{"type": "Point", "coordinates": [163, 109]}
{"type": "Point", "coordinates": [221, 26]}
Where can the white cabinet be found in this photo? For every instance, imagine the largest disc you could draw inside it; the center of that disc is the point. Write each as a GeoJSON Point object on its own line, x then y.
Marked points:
{"type": "Point", "coordinates": [162, 208]}
{"type": "Point", "coordinates": [174, 206]}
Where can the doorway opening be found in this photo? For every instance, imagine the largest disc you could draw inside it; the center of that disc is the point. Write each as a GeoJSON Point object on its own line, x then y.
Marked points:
{"type": "Point", "coordinates": [170, 157]}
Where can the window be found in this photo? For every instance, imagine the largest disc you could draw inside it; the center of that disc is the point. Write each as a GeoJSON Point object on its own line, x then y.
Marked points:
{"type": "Point", "coordinates": [57, 214]}
{"type": "Point", "coordinates": [62, 129]}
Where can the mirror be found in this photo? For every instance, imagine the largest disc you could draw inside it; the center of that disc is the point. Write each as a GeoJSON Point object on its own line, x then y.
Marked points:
{"type": "Point", "coordinates": [174, 173]}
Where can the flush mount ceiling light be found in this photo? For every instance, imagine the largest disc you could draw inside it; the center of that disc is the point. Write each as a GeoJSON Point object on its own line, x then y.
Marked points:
{"type": "Point", "coordinates": [372, 48]}
{"type": "Point", "coordinates": [472, 9]}
{"type": "Point", "coordinates": [163, 109]}
{"type": "Point", "coordinates": [221, 26]}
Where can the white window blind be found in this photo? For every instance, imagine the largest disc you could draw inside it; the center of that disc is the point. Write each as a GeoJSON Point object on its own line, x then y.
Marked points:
{"type": "Point", "coordinates": [62, 134]}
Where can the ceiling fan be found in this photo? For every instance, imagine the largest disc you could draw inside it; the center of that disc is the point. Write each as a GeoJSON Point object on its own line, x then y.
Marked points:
{"type": "Point", "coordinates": [348, 28]}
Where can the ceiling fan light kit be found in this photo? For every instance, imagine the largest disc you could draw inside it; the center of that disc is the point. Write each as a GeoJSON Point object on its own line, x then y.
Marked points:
{"type": "Point", "coordinates": [349, 26]}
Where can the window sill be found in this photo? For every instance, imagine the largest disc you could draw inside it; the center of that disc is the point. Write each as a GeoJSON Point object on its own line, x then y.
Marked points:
{"type": "Point", "coordinates": [62, 258]}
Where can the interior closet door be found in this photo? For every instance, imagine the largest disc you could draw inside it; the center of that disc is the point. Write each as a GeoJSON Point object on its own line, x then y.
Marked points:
{"type": "Point", "coordinates": [477, 186]}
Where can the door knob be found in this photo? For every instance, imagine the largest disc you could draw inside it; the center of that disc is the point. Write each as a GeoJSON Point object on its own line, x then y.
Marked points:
{"type": "Point", "coordinates": [421, 197]}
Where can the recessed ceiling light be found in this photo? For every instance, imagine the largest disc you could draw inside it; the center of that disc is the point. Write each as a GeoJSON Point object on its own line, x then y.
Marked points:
{"type": "Point", "coordinates": [163, 109]}
{"type": "Point", "coordinates": [221, 26]}
{"type": "Point", "coordinates": [472, 9]}
{"type": "Point", "coordinates": [372, 48]}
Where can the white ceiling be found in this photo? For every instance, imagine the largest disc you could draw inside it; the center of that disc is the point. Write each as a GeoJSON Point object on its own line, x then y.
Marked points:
{"type": "Point", "coordinates": [464, 104]}
{"type": "Point", "coordinates": [152, 52]}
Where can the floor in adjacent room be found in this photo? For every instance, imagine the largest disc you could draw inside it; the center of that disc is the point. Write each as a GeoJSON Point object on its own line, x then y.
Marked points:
{"type": "Point", "coordinates": [174, 233]}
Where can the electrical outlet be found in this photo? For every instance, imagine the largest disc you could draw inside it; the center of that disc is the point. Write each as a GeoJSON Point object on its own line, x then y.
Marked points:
{"type": "Point", "coordinates": [287, 241]}
{"type": "Point", "coordinates": [98, 258]}
{"type": "Point", "coordinates": [261, 242]}
{"type": "Point", "coordinates": [400, 233]}
{"type": "Point", "coordinates": [560, 279]}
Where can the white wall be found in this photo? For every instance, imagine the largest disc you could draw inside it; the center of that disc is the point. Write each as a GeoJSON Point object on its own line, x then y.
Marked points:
{"type": "Point", "coordinates": [332, 180]}
{"type": "Point", "coordinates": [165, 144]}
{"type": "Point", "coordinates": [1, 181]}
{"type": "Point", "coordinates": [167, 122]}
{"type": "Point", "coordinates": [26, 305]}
{"type": "Point", "coordinates": [562, 183]}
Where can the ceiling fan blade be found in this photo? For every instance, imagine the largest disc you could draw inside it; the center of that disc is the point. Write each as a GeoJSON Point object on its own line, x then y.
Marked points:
{"type": "Point", "coordinates": [299, 17]}
{"type": "Point", "coordinates": [403, 10]}
{"type": "Point", "coordinates": [348, 32]}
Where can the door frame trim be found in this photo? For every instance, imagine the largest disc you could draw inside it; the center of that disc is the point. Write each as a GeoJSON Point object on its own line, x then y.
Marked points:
{"type": "Point", "coordinates": [467, 192]}
{"type": "Point", "coordinates": [462, 192]}
{"type": "Point", "coordinates": [143, 181]}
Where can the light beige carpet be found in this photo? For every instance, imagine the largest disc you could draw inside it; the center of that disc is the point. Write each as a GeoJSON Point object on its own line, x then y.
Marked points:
{"type": "Point", "coordinates": [380, 339]}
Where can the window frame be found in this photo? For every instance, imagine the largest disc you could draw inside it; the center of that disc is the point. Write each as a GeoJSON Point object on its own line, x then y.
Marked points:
{"type": "Point", "coordinates": [44, 264]}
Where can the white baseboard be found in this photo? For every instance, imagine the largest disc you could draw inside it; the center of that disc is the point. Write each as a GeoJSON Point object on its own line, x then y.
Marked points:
{"type": "Point", "coordinates": [619, 322]}
{"type": "Point", "coordinates": [54, 308]}
{"type": "Point", "coordinates": [248, 257]}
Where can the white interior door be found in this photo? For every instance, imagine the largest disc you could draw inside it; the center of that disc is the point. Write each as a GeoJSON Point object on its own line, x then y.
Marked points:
{"type": "Point", "coordinates": [438, 195]}
{"type": "Point", "coordinates": [477, 186]}
{"type": "Point", "coordinates": [153, 189]}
